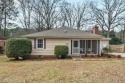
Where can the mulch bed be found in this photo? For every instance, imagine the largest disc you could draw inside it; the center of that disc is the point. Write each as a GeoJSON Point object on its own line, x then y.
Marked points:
{"type": "Point", "coordinates": [102, 56]}
{"type": "Point", "coordinates": [84, 57]}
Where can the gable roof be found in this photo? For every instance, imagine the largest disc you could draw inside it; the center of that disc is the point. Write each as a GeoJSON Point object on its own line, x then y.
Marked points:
{"type": "Point", "coordinates": [63, 32]}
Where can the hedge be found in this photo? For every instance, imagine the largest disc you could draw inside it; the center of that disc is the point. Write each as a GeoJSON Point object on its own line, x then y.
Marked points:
{"type": "Point", "coordinates": [18, 47]}
{"type": "Point", "coordinates": [61, 51]}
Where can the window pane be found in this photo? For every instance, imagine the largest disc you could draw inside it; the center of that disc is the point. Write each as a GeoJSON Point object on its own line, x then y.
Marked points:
{"type": "Point", "coordinates": [82, 46]}
{"type": "Point", "coordinates": [94, 46]}
{"type": "Point", "coordinates": [88, 46]}
{"type": "Point", "coordinates": [40, 40]}
{"type": "Point", "coordinates": [75, 43]}
{"type": "Point", "coordinates": [40, 43]}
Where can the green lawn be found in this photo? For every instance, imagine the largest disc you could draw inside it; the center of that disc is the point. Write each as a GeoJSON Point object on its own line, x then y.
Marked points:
{"type": "Point", "coordinates": [62, 71]}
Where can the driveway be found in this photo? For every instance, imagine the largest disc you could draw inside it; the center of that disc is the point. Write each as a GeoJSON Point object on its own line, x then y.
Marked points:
{"type": "Point", "coordinates": [2, 56]}
{"type": "Point", "coordinates": [122, 54]}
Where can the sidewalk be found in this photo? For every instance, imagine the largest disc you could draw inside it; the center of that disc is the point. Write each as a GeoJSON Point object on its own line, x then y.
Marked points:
{"type": "Point", "coordinates": [122, 54]}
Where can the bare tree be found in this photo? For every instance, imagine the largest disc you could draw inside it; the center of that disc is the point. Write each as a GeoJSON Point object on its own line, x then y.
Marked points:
{"type": "Point", "coordinates": [26, 12]}
{"type": "Point", "coordinates": [45, 13]}
{"type": "Point", "coordinates": [107, 16]}
{"type": "Point", "coordinates": [8, 12]}
{"type": "Point", "coordinates": [66, 14]}
{"type": "Point", "coordinates": [81, 12]}
{"type": "Point", "coordinates": [73, 15]}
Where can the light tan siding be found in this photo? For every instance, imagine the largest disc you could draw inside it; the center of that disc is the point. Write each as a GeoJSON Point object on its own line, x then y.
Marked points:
{"type": "Point", "coordinates": [50, 45]}
{"type": "Point", "coordinates": [104, 43]}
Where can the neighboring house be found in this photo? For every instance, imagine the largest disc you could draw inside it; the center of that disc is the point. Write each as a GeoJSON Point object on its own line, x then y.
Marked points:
{"type": "Point", "coordinates": [78, 41]}
{"type": "Point", "coordinates": [2, 41]}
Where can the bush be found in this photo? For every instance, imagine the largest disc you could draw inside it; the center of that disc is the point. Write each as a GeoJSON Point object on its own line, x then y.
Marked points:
{"type": "Point", "coordinates": [18, 47]}
{"type": "Point", "coordinates": [119, 56]}
{"type": "Point", "coordinates": [61, 51]}
{"type": "Point", "coordinates": [1, 50]}
{"type": "Point", "coordinates": [115, 41]}
{"type": "Point", "coordinates": [106, 50]}
{"type": "Point", "coordinates": [109, 56]}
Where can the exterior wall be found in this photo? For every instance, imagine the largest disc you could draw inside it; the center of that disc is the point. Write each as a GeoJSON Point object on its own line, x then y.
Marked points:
{"type": "Point", "coordinates": [104, 43]}
{"type": "Point", "coordinates": [2, 42]}
{"type": "Point", "coordinates": [50, 45]}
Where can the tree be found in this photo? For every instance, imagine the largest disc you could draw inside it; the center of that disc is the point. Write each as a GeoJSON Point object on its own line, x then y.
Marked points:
{"type": "Point", "coordinates": [26, 12]}
{"type": "Point", "coordinates": [107, 16]}
{"type": "Point", "coordinates": [66, 14]}
{"type": "Point", "coordinates": [45, 13]}
{"type": "Point", "coordinates": [114, 39]}
{"type": "Point", "coordinates": [81, 12]}
{"type": "Point", "coordinates": [73, 15]}
{"type": "Point", "coordinates": [8, 12]}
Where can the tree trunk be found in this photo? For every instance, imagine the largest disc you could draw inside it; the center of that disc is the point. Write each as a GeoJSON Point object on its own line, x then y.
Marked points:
{"type": "Point", "coordinates": [108, 33]}
{"type": "Point", "coordinates": [5, 21]}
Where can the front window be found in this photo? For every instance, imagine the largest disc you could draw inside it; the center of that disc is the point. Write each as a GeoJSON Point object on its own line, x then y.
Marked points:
{"type": "Point", "coordinates": [39, 43]}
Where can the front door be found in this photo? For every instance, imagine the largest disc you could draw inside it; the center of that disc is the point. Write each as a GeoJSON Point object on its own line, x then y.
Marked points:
{"type": "Point", "coordinates": [75, 46]}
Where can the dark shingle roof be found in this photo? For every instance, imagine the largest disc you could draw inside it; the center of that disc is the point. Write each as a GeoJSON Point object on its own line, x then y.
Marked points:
{"type": "Point", "coordinates": [63, 33]}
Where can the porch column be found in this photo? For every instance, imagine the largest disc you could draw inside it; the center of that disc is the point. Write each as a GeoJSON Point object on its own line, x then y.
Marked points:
{"type": "Point", "coordinates": [97, 47]}
{"type": "Point", "coordinates": [99, 50]}
{"type": "Point", "coordinates": [91, 45]}
{"type": "Point", "coordinates": [85, 46]}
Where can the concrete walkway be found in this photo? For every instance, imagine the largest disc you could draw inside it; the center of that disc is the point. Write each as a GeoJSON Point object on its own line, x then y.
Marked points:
{"type": "Point", "coordinates": [122, 54]}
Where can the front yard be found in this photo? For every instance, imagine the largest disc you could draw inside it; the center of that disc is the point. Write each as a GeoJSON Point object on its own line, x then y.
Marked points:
{"type": "Point", "coordinates": [62, 71]}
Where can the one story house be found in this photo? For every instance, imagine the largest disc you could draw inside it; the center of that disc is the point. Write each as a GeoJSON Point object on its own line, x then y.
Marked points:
{"type": "Point", "coordinates": [78, 41]}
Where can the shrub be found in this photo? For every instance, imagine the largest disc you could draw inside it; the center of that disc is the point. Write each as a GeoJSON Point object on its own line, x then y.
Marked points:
{"type": "Point", "coordinates": [18, 47]}
{"type": "Point", "coordinates": [61, 51]}
{"type": "Point", "coordinates": [109, 56]}
{"type": "Point", "coordinates": [106, 50]}
{"type": "Point", "coordinates": [85, 55]}
{"type": "Point", "coordinates": [119, 56]}
{"type": "Point", "coordinates": [1, 50]}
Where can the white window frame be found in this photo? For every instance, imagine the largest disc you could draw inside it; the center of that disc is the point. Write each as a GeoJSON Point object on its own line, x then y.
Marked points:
{"type": "Point", "coordinates": [37, 43]}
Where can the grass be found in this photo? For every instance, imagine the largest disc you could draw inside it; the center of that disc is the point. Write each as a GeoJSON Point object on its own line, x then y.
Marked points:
{"type": "Point", "coordinates": [62, 71]}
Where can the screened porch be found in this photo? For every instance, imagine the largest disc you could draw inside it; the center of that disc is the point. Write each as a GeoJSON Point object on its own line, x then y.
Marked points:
{"type": "Point", "coordinates": [85, 46]}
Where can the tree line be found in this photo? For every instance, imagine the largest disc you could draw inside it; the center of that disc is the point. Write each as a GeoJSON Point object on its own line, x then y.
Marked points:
{"type": "Point", "coordinates": [39, 15]}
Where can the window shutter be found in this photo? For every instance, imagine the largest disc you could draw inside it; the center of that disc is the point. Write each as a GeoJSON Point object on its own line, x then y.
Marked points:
{"type": "Point", "coordinates": [34, 43]}
{"type": "Point", "coordinates": [44, 43]}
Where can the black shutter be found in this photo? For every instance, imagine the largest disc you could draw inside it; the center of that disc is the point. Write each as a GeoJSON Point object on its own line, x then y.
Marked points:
{"type": "Point", "coordinates": [44, 43]}
{"type": "Point", "coordinates": [34, 43]}
{"type": "Point", "coordinates": [71, 46]}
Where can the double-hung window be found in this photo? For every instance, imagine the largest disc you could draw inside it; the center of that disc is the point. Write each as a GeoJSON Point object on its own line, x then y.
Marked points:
{"type": "Point", "coordinates": [40, 43]}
